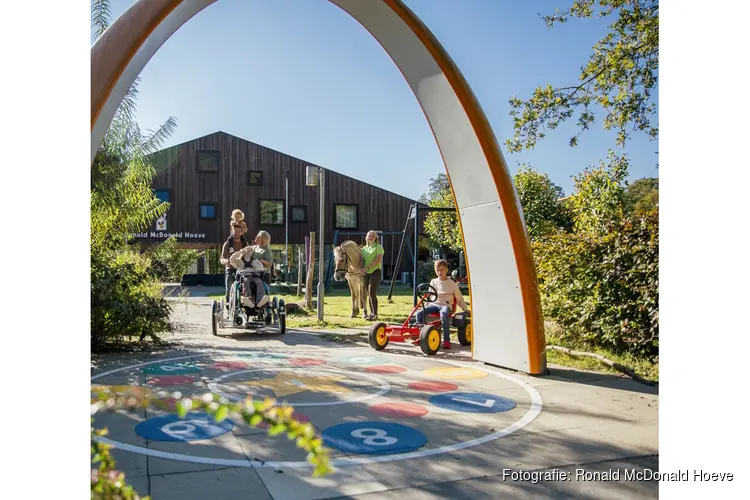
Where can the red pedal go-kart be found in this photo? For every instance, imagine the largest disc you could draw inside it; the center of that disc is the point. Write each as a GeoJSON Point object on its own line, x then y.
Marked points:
{"type": "Point", "coordinates": [428, 337]}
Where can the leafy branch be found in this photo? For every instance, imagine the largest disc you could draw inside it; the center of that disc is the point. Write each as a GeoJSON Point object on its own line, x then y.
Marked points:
{"type": "Point", "coordinates": [108, 483]}
{"type": "Point", "coordinates": [620, 77]}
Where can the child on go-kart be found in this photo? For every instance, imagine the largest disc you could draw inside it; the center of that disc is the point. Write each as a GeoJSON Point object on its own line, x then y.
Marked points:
{"type": "Point", "coordinates": [251, 269]}
{"type": "Point", "coordinates": [447, 290]}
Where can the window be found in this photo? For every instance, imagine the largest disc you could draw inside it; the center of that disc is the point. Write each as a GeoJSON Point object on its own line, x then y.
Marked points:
{"type": "Point", "coordinates": [346, 216]}
{"type": "Point", "coordinates": [298, 213]}
{"type": "Point", "coordinates": [254, 177]}
{"type": "Point", "coordinates": [272, 212]}
{"type": "Point", "coordinates": [208, 210]}
{"type": "Point", "coordinates": [208, 161]}
{"type": "Point", "coordinates": [162, 194]}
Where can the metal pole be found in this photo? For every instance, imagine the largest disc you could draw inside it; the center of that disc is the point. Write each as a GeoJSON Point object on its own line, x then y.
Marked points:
{"type": "Point", "coordinates": [398, 259]}
{"type": "Point", "coordinates": [286, 229]}
{"type": "Point", "coordinates": [321, 277]}
{"type": "Point", "coordinates": [416, 249]}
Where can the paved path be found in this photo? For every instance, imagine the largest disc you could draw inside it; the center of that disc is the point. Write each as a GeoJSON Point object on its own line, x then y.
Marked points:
{"type": "Point", "coordinates": [462, 429]}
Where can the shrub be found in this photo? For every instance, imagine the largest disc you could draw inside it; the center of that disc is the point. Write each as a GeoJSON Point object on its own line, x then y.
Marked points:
{"type": "Point", "coordinates": [603, 288]}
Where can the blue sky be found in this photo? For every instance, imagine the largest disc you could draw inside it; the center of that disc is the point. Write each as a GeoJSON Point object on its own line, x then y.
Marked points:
{"type": "Point", "coordinates": [302, 77]}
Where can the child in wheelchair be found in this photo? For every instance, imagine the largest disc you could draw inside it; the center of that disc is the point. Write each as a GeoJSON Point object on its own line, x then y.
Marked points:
{"type": "Point", "coordinates": [250, 270]}
{"type": "Point", "coordinates": [447, 291]}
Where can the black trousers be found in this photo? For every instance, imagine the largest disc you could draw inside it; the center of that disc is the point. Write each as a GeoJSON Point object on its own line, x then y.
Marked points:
{"type": "Point", "coordinates": [372, 282]}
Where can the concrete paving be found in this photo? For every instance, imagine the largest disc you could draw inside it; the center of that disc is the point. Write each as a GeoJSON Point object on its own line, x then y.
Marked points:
{"type": "Point", "coordinates": [571, 421]}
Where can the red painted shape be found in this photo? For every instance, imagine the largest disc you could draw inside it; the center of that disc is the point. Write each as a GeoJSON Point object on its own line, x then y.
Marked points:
{"type": "Point", "coordinates": [401, 410]}
{"type": "Point", "coordinates": [307, 362]}
{"type": "Point", "coordinates": [171, 380]}
{"type": "Point", "coordinates": [385, 369]}
{"type": "Point", "coordinates": [430, 386]}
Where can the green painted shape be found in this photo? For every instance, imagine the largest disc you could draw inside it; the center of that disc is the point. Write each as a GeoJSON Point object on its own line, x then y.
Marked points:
{"type": "Point", "coordinates": [171, 369]}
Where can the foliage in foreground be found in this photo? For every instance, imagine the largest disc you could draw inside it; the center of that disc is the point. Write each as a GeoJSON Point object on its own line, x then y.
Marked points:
{"type": "Point", "coordinates": [107, 483]}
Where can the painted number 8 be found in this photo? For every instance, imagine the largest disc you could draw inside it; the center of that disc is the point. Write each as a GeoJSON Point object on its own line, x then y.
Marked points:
{"type": "Point", "coordinates": [375, 437]}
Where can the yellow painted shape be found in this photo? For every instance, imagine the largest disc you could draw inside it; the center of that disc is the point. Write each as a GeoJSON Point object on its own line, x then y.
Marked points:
{"type": "Point", "coordinates": [286, 383]}
{"type": "Point", "coordinates": [454, 373]}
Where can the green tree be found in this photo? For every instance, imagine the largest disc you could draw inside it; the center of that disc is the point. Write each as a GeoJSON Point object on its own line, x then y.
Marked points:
{"type": "Point", "coordinates": [598, 197]}
{"type": "Point", "coordinates": [642, 196]}
{"type": "Point", "coordinates": [619, 77]}
{"type": "Point", "coordinates": [442, 227]}
{"type": "Point", "coordinates": [540, 200]}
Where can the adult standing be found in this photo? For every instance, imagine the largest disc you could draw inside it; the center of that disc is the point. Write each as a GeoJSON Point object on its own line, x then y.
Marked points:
{"type": "Point", "coordinates": [373, 253]}
{"type": "Point", "coordinates": [234, 243]}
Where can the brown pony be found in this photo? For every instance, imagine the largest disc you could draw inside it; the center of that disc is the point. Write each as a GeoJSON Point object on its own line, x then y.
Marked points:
{"type": "Point", "coordinates": [349, 261]}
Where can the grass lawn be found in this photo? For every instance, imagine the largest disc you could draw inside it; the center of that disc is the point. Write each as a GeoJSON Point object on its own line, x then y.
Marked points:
{"type": "Point", "coordinates": [338, 306]}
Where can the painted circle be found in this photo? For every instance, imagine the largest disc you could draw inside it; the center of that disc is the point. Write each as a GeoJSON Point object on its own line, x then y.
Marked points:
{"type": "Point", "coordinates": [194, 427]}
{"type": "Point", "coordinates": [433, 386]}
{"type": "Point", "coordinates": [364, 359]}
{"type": "Point", "coordinates": [534, 409]}
{"type": "Point", "coordinates": [455, 373]}
{"type": "Point", "coordinates": [376, 438]}
{"type": "Point", "coordinates": [385, 369]}
{"type": "Point", "coordinates": [307, 362]}
{"type": "Point", "coordinates": [171, 369]}
{"type": "Point", "coordinates": [134, 390]}
{"type": "Point", "coordinates": [167, 380]}
{"type": "Point", "coordinates": [229, 365]}
{"type": "Point", "coordinates": [261, 355]}
{"type": "Point", "coordinates": [399, 410]}
{"type": "Point", "coordinates": [213, 386]}
{"type": "Point", "coordinates": [472, 402]}
{"type": "Point", "coordinates": [433, 339]}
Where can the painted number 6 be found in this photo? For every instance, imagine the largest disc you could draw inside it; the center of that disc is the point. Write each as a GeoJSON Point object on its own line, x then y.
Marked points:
{"type": "Point", "coordinates": [375, 437]}
{"type": "Point", "coordinates": [183, 427]}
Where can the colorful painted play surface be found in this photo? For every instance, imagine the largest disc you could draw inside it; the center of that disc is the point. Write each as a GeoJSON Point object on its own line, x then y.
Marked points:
{"type": "Point", "coordinates": [394, 421]}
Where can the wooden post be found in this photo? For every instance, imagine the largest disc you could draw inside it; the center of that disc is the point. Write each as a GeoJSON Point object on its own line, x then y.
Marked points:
{"type": "Point", "coordinates": [299, 271]}
{"type": "Point", "coordinates": [310, 271]}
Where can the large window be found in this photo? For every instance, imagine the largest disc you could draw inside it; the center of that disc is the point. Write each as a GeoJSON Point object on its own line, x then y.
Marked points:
{"type": "Point", "coordinates": [346, 216]}
{"type": "Point", "coordinates": [271, 212]}
{"type": "Point", "coordinates": [298, 213]}
{"type": "Point", "coordinates": [162, 194]}
{"type": "Point", "coordinates": [208, 161]}
{"type": "Point", "coordinates": [207, 210]}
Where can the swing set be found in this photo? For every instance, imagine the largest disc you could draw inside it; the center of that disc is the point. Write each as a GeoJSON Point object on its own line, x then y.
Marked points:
{"type": "Point", "coordinates": [414, 210]}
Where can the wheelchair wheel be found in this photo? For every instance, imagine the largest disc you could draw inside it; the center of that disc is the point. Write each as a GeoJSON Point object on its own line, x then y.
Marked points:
{"type": "Point", "coordinates": [215, 312]}
{"type": "Point", "coordinates": [465, 334]}
{"type": "Point", "coordinates": [282, 317]}
{"type": "Point", "coordinates": [429, 339]}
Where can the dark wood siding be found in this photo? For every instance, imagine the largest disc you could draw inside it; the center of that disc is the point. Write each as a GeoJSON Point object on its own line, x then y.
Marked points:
{"type": "Point", "coordinates": [177, 171]}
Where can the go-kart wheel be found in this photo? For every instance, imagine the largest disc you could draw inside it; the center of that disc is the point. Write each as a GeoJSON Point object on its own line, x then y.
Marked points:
{"type": "Point", "coordinates": [215, 311]}
{"type": "Point", "coordinates": [282, 317]}
{"type": "Point", "coordinates": [429, 339]}
{"type": "Point", "coordinates": [428, 291]}
{"type": "Point", "coordinates": [378, 336]}
{"type": "Point", "coordinates": [465, 334]}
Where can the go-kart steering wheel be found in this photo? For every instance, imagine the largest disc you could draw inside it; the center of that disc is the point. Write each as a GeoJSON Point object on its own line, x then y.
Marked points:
{"type": "Point", "coordinates": [429, 292]}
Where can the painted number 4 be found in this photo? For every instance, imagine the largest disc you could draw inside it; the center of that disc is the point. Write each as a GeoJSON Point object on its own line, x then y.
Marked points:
{"type": "Point", "coordinates": [376, 437]}
{"type": "Point", "coordinates": [488, 403]}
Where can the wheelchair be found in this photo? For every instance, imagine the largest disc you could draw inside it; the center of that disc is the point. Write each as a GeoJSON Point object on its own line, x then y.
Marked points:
{"type": "Point", "coordinates": [234, 314]}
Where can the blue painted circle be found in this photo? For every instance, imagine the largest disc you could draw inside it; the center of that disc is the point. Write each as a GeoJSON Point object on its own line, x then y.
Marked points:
{"type": "Point", "coordinates": [171, 369]}
{"type": "Point", "coordinates": [374, 438]}
{"type": "Point", "coordinates": [365, 359]}
{"type": "Point", "coordinates": [472, 402]}
{"type": "Point", "coordinates": [261, 355]}
{"type": "Point", "coordinates": [194, 427]}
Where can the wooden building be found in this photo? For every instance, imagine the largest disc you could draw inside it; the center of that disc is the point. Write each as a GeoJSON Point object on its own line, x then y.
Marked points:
{"type": "Point", "coordinates": [206, 178]}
